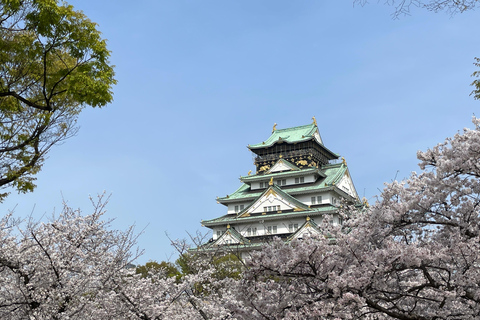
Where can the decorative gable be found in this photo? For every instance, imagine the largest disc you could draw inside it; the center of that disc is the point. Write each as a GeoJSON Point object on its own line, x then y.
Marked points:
{"type": "Point", "coordinates": [346, 184]}
{"type": "Point", "coordinates": [317, 137]}
{"type": "Point", "coordinates": [309, 228]}
{"type": "Point", "coordinates": [231, 236]}
{"type": "Point", "coordinates": [273, 199]}
{"type": "Point", "coordinates": [282, 165]}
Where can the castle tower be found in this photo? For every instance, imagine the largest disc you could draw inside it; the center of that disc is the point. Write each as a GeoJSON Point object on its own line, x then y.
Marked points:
{"type": "Point", "coordinates": [298, 181]}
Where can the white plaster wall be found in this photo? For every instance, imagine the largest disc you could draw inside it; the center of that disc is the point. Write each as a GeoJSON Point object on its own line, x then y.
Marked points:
{"type": "Point", "coordinates": [270, 200]}
{"type": "Point", "coordinates": [256, 185]}
{"type": "Point", "coordinates": [307, 198]}
{"type": "Point", "coordinates": [279, 167]}
{"type": "Point", "coordinates": [282, 226]}
{"type": "Point", "coordinates": [289, 181]}
{"type": "Point", "coordinates": [309, 178]}
{"type": "Point", "coordinates": [231, 207]}
{"type": "Point", "coordinates": [307, 231]}
{"type": "Point", "coordinates": [214, 231]}
{"type": "Point", "coordinates": [346, 184]}
{"type": "Point", "coordinates": [334, 199]}
{"type": "Point", "coordinates": [227, 239]}
{"type": "Point", "coordinates": [316, 135]}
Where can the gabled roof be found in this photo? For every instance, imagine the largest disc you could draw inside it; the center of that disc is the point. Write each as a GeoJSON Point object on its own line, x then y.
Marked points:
{"type": "Point", "coordinates": [308, 226]}
{"type": "Point", "coordinates": [283, 165]}
{"type": "Point", "coordinates": [232, 234]}
{"type": "Point", "coordinates": [277, 193]}
{"type": "Point", "coordinates": [332, 172]}
{"type": "Point", "coordinates": [290, 135]}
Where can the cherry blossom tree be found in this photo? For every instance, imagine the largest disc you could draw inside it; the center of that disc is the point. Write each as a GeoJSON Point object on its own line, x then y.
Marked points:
{"type": "Point", "coordinates": [415, 254]}
{"type": "Point", "coordinates": [56, 269]}
{"type": "Point", "coordinates": [76, 266]}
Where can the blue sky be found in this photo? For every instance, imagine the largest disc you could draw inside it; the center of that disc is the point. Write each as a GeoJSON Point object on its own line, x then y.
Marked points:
{"type": "Point", "coordinates": [200, 80]}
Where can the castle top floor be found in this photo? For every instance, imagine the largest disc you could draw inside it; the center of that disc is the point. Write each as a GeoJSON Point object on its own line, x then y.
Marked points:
{"type": "Point", "coordinates": [300, 145]}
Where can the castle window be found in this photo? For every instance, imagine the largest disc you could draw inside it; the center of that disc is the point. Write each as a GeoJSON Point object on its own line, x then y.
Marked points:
{"type": "Point", "coordinates": [271, 208]}
{"type": "Point", "coordinates": [314, 200]}
{"type": "Point", "coordinates": [271, 229]}
{"type": "Point", "coordinates": [219, 233]}
{"type": "Point", "coordinates": [281, 182]}
{"type": "Point", "coordinates": [239, 208]}
{"type": "Point", "coordinates": [252, 231]}
{"type": "Point", "coordinates": [300, 180]}
{"type": "Point", "coordinates": [293, 227]}
{"type": "Point", "coordinates": [319, 199]}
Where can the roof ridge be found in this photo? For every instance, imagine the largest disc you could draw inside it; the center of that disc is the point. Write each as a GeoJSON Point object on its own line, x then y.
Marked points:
{"type": "Point", "coordinates": [297, 127]}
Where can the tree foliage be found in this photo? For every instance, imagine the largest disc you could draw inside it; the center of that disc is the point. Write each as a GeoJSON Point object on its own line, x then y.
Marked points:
{"type": "Point", "coordinates": [153, 267]}
{"type": "Point", "coordinates": [53, 63]}
{"type": "Point", "coordinates": [414, 255]}
{"type": "Point", "coordinates": [403, 7]}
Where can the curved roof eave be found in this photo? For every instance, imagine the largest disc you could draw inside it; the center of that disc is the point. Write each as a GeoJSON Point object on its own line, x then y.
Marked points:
{"type": "Point", "coordinates": [263, 145]}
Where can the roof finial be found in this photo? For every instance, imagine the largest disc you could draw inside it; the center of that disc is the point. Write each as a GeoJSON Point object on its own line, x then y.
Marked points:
{"type": "Point", "coordinates": [250, 172]}
{"type": "Point", "coordinates": [274, 127]}
{"type": "Point", "coordinates": [344, 161]}
{"type": "Point", "coordinates": [365, 202]}
{"type": "Point", "coordinates": [271, 182]}
{"type": "Point", "coordinates": [314, 121]}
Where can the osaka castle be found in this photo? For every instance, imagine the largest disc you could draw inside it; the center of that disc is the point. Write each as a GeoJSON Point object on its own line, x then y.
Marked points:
{"type": "Point", "coordinates": [298, 181]}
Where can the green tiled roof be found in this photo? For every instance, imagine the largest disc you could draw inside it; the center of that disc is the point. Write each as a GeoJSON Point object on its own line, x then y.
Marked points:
{"type": "Point", "coordinates": [262, 177]}
{"type": "Point", "coordinates": [289, 135]}
{"type": "Point", "coordinates": [229, 218]}
{"type": "Point", "coordinates": [235, 234]}
{"type": "Point", "coordinates": [333, 173]}
{"type": "Point", "coordinates": [234, 246]}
